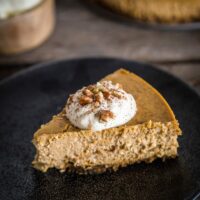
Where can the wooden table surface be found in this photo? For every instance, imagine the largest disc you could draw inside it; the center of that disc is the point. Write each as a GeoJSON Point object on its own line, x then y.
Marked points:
{"type": "Point", "coordinates": [83, 32]}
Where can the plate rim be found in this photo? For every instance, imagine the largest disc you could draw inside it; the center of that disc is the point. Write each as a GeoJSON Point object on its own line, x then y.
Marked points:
{"type": "Point", "coordinates": [49, 63]}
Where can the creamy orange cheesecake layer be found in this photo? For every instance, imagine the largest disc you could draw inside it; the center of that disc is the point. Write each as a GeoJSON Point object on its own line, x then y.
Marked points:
{"type": "Point", "coordinates": [151, 134]}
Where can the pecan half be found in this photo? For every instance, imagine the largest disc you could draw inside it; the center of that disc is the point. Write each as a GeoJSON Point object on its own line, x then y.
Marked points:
{"type": "Point", "coordinates": [106, 94]}
{"type": "Point", "coordinates": [84, 100]}
{"type": "Point", "coordinates": [87, 92]}
{"type": "Point", "coordinates": [98, 97]}
{"type": "Point", "coordinates": [117, 94]}
{"type": "Point", "coordinates": [90, 87]}
{"type": "Point", "coordinates": [95, 90]}
{"type": "Point", "coordinates": [105, 115]}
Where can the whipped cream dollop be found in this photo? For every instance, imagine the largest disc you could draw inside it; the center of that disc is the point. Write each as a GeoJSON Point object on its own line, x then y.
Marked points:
{"type": "Point", "coordinates": [100, 106]}
{"type": "Point", "coordinates": [12, 7]}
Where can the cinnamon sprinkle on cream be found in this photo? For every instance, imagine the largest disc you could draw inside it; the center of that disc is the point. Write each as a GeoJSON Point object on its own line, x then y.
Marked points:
{"type": "Point", "coordinates": [100, 106]}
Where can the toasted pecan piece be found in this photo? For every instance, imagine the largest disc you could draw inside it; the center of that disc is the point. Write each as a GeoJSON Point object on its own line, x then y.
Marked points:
{"type": "Point", "coordinates": [105, 115]}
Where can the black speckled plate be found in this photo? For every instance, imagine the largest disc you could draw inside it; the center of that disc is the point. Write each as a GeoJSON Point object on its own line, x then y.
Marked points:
{"type": "Point", "coordinates": [31, 97]}
{"type": "Point", "coordinates": [107, 13]}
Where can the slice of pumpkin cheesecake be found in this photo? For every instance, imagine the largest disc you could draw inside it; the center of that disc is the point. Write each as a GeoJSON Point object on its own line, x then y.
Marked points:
{"type": "Point", "coordinates": [119, 121]}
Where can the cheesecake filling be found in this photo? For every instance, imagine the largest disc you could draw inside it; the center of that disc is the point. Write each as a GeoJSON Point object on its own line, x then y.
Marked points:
{"type": "Point", "coordinates": [100, 106]}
